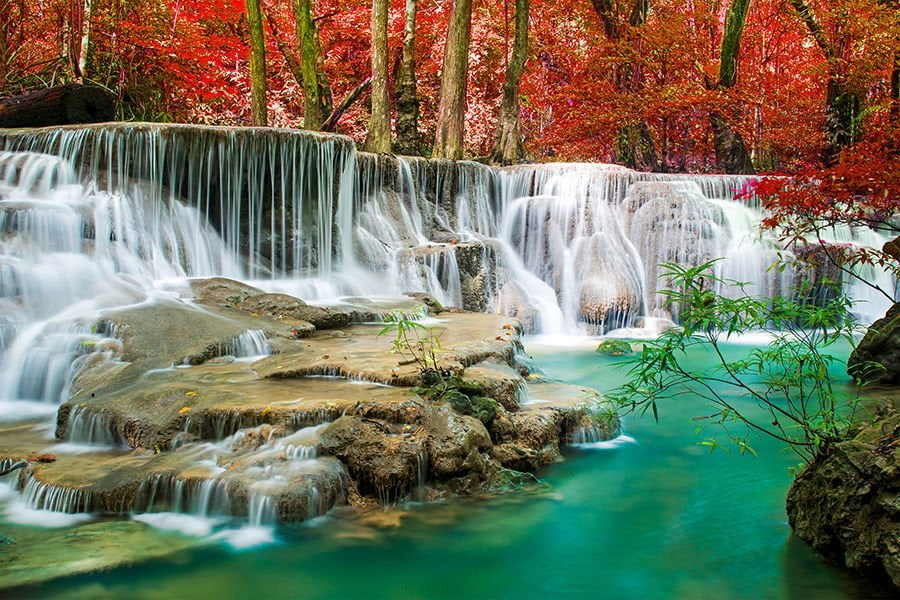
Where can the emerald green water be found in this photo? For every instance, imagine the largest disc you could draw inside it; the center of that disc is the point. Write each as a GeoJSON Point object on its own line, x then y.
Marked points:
{"type": "Point", "coordinates": [659, 518]}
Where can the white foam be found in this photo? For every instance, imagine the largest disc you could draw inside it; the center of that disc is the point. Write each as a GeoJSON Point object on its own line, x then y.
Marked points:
{"type": "Point", "coordinates": [13, 411]}
{"type": "Point", "coordinates": [191, 525]}
{"type": "Point", "coordinates": [17, 512]}
{"type": "Point", "coordinates": [247, 537]}
{"type": "Point", "coordinates": [622, 440]}
{"type": "Point", "coordinates": [7, 492]}
{"type": "Point", "coordinates": [79, 448]}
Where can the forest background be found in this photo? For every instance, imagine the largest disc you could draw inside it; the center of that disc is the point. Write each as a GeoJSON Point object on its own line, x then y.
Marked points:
{"type": "Point", "coordinates": [646, 83]}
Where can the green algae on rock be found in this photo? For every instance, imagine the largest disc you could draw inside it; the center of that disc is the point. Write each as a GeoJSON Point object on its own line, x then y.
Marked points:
{"type": "Point", "coordinates": [846, 502]}
{"type": "Point", "coordinates": [614, 347]}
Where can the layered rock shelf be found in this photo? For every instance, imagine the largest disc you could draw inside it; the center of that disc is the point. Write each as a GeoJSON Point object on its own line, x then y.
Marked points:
{"type": "Point", "coordinates": [166, 418]}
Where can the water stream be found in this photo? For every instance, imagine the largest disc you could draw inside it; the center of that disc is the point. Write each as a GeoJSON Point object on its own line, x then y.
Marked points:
{"type": "Point", "coordinates": [655, 516]}
{"type": "Point", "coordinates": [100, 218]}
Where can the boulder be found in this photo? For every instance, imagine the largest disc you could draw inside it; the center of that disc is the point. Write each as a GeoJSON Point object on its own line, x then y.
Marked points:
{"type": "Point", "coordinates": [456, 444]}
{"type": "Point", "coordinates": [613, 347]}
{"type": "Point", "coordinates": [381, 462]}
{"type": "Point", "coordinates": [434, 306]}
{"type": "Point", "coordinates": [221, 291]}
{"type": "Point", "coordinates": [282, 305]}
{"type": "Point", "coordinates": [881, 345]}
{"type": "Point", "coordinates": [846, 502]}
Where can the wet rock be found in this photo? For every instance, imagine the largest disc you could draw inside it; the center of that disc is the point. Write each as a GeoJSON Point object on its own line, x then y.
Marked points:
{"type": "Point", "coordinates": [609, 294]}
{"type": "Point", "coordinates": [477, 263]}
{"type": "Point", "coordinates": [481, 407]}
{"type": "Point", "coordinates": [222, 291]}
{"type": "Point", "coordinates": [551, 416]}
{"type": "Point", "coordinates": [846, 503]}
{"type": "Point", "coordinates": [382, 462]}
{"type": "Point", "coordinates": [434, 307]}
{"type": "Point", "coordinates": [455, 444]}
{"type": "Point", "coordinates": [510, 302]}
{"type": "Point", "coordinates": [528, 440]}
{"type": "Point", "coordinates": [817, 276]}
{"type": "Point", "coordinates": [614, 347]}
{"type": "Point", "coordinates": [522, 458]}
{"type": "Point", "coordinates": [292, 496]}
{"type": "Point", "coordinates": [498, 381]}
{"type": "Point", "coordinates": [282, 305]}
{"type": "Point", "coordinates": [881, 345]}
{"type": "Point", "coordinates": [252, 438]}
{"type": "Point", "coordinates": [45, 554]}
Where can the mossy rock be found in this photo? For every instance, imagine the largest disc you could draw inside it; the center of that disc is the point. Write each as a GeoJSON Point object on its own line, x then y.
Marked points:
{"type": "Point", "coordinates": [466, 386]}
{"type": "Point", "coordinates": [484, 408]}
{"type": "Point", "coordinates": [481, 407]}
{"type": "Point", "coordinates": [614, 347]}
{"type": "Point", "coordinates": [434, 305]}
{"type": "Point", "coordinates": [880, 348]}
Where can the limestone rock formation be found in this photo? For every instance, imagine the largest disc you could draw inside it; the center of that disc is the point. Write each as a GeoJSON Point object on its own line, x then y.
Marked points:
{"type": "Point", "coordinates": [881, 345]}
{"type": "Point", "coordinates": [846, 503]}
{"type": "Point", "coordinates": [326, 419]}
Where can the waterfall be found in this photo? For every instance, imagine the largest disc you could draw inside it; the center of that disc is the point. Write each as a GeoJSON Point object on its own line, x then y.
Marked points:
{"type": "Point", "coordinates": [104, 216]}
{"type": "Point", "coordinates": [250, 344]}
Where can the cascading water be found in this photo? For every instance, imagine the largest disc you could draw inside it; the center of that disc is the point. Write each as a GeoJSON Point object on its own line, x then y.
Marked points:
{"type": "Point", "coordinates": [105, 217]}
{"type": "Point", "coordinates": [97, 217]}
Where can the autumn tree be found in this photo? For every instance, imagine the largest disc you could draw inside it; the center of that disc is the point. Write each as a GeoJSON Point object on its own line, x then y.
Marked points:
{"type": "Point", "coordinates": [621, 25]}
{"type": "Point", "coordinates": [731, 152]}
{"type": "Point", "coordinates": [509, 147]}
{"type": "Point", "coordinates": [406, 95]}
{"type": "Point", "coordinates": [449, 138]}
{"type": "Point", "coordinates": [316, 88]}
{"type": "Point", "coordinates": [860, 190]}
{"type": "Point", "coordinates": [845, 96]}
{"type": "Point", "coordinates": [257, 64]}
{"type": "Point", "coordinates": [379, 139]}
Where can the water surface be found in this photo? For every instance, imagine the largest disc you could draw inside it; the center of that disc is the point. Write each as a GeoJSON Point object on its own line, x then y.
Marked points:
{"type": "Point", "coordinates": [656, 518]}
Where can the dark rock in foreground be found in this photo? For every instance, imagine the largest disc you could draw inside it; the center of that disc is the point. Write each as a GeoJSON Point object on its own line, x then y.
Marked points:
{"type": "Point", "coordinates": [881, 345]}
{"type": "Point", "coordinates": [846, 504]}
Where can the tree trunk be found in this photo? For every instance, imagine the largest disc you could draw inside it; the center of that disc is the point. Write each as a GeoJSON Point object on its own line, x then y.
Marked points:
{"type": "Point", "coordinates": [449, 134]}
{"type": "Point", "coordinates": [78, 35]}
{"type": "Point", "coordinates": [331, 122]}
{"type": "Point", "coordinates": [257, 65]}
{"type": "Point", "coordinates": [316, 90]}
{"type": "Point", "coordinates": [379, 137]}
{"type": "Point", "coordinates": [842, 112]}
{"type": "Point", "coordinates": [407, 100]}
{"type": "Point", "coordinates": [842, 107]}
{"type": "Point", "coordinates": [64, 105]}
{"type": "Point", "coordinates": [731, 151]}
{"type": "Point", "coordinates": [5, 35]}
{"type": "Point", "coordinates": [635, 148]}
{"type": "Point", "coordinates": [634, 145]}
{"type": "Point", "coordinates": [509, 147]}
{"type": "Point", "coordinates": [291, 60]}
{"type": "Point", "coordinates": [735, 20]}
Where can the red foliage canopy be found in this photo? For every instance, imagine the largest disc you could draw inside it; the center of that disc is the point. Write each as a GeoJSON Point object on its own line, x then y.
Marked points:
{"type": "Point", "coordinates": [186, 60]}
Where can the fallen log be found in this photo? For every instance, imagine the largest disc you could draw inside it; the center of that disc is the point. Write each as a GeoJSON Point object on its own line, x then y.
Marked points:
{"type": "Point", "coordinates": [62, 105]}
